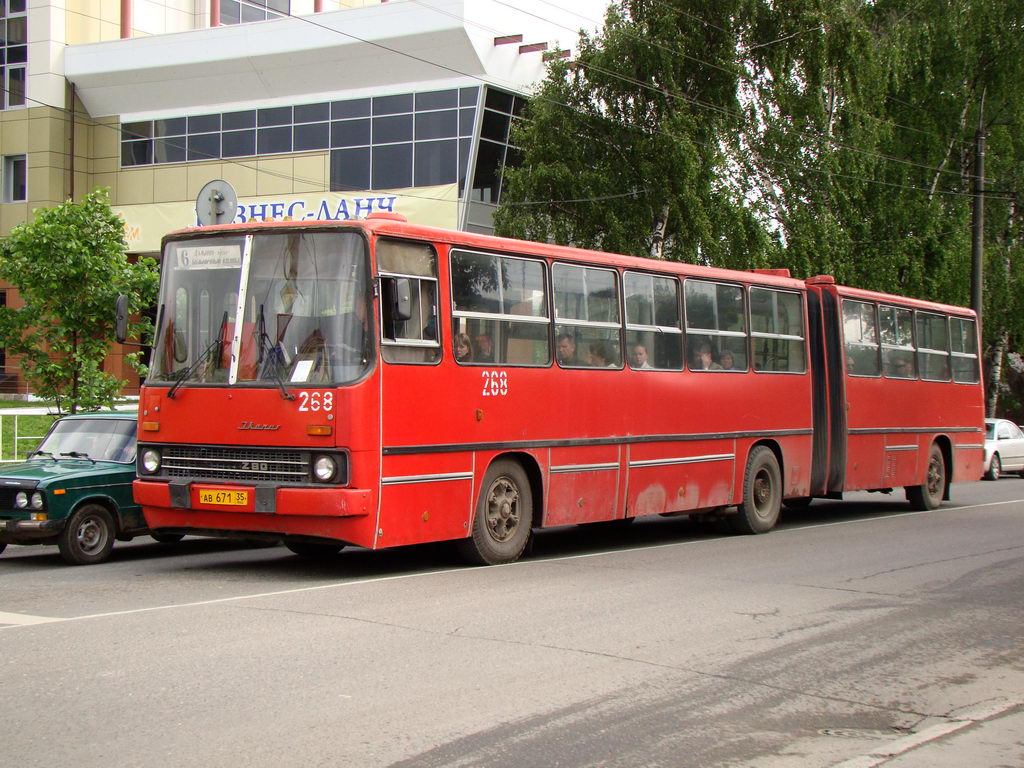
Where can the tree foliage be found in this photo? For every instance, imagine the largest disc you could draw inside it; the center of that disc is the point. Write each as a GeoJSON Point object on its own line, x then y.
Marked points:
{"type": "Point", "coordinates": [622, 146]}
{"type": "Point", "coordinates": [826, 136]}
{"type": "Point", "coordinates": [68, 265]}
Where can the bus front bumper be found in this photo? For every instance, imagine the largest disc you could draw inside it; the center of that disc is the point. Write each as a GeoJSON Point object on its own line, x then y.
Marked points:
{"type": "Point", "coordinates": [323, 501]}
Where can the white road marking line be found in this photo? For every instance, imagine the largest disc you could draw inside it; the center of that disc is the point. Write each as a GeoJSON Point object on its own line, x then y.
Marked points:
{"type": "Point", "coordinates": [462, 569]}
{"type": "Point", "coordinates": [24, 620]}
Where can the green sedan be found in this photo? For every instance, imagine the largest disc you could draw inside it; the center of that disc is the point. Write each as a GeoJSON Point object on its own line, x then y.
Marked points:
{"type": "Point", "coordinates": [75, 489]}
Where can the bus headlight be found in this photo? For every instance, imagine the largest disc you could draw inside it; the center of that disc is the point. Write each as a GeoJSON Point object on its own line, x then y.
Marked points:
{"type": "Point", "coordinates": [150, 461]}
{"type": "Point", "coordinates": [325, 468]}
{"type": "Point", "coordinates": [21, 500]}
{"type": "Point", "coordinates": [37, 500]}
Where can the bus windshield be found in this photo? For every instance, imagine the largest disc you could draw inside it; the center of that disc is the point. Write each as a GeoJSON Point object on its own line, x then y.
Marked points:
{"type": "Point", "coordinates": [268, 309]}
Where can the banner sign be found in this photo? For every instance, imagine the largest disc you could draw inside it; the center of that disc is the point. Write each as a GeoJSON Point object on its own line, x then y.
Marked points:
{"type": "Point", "coordinates": [146, 224]}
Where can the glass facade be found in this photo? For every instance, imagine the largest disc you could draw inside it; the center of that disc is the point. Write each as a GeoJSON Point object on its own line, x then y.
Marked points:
{"type": "Point", "coordinates": [501, 110]}
{"type": "Point", "coordinates": [398, 141]}
{"type": "Point", "coordinates": [384, 142]}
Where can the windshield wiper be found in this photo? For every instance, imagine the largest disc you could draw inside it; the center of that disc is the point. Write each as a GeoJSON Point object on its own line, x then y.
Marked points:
{"type": "Point", "coordinates": [186, 373]}
{"type": "Point", "coordinates": [273, 356]}
{"type": "Point", "coordinates": [79, 455]}
{"type": "Point", "coordinates": [47, 454]}
{"type": "Point", "coordinates": [217, 343]}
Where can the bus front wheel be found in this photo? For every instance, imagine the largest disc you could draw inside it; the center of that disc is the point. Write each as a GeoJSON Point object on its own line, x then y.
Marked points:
{"type": "Point", "coordinates": [928, 495]}
{"type": "Point", "coordinates": [762, 494]}
{"type": "Point", "coordinates": [504, 516]}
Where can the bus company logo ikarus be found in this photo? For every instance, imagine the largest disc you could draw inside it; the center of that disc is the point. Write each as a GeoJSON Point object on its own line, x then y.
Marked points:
{"type": "Point", "coordinates": [261, 427]}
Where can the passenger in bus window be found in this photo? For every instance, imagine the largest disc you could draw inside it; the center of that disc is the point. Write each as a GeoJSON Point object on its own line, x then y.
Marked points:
{"type": "Point", "coordinates": [703, 360]}
{"type": "Point", "coordinates": [566, 350]}
{"type": "Point", "coordinates": [484, 348]}
{"type": "Point", "coordinates": [463, 348]}
{"type": "Point", "coordinates": [901, 368]}
{"type": "Point", "coordinates": [599, 357]}
{"type": "Point", "coordinates": [727, 363]}
{"type": "Point", "coordinates": [638, 357]}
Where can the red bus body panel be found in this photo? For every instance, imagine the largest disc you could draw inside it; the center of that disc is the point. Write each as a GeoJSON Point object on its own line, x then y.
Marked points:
{"type": "Point", "coordinates": [598, 444]}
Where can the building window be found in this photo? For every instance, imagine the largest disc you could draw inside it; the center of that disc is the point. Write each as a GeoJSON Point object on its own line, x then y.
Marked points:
{"type": "Point", "coordinates": [494, 153]}
{"type": "Point", "coordinates": [13, 52]}
{"type": "Point", "coordinates": [244, 11]}
{"type": "Point", "coordinates": [385, 142]}
{"type": "Point", "coordinates": [14, 177]}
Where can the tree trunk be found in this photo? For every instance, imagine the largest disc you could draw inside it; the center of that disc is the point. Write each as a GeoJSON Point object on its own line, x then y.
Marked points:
{"type": "Point", "coordinates": [994, 373]}
{"type": "Point", "coordinates": [658, 236]}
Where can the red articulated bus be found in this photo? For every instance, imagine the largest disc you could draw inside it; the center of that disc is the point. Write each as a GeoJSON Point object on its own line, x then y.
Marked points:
{"type": "Point", "coordinates": [377, 383]}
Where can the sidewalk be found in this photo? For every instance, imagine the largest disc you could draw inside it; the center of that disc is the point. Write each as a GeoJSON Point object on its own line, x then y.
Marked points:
{"type": "Point", "coordinates": [982, 738]}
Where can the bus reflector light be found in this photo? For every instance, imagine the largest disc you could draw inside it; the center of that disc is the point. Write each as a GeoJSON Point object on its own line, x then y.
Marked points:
{"type": "Point", "coordinates": [151, 426]}
{"type": "Point", "coordinates": [318, 429]}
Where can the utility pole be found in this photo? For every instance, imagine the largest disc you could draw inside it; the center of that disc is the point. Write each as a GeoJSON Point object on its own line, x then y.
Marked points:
{"type": "Point", "coordinates": [978, 224]}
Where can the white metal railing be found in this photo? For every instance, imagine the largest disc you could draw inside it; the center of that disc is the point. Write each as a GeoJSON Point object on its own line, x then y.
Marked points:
{"type": "Point", "coordinates": [11, 446]}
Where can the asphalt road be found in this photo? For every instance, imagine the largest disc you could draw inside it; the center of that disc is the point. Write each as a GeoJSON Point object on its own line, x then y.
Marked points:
{"type": "Point", "coordinates": [852, 626]}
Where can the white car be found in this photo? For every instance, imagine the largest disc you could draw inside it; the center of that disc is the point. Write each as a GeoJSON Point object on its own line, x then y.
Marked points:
{"type": "Point", "coordinates": [1004, 448]}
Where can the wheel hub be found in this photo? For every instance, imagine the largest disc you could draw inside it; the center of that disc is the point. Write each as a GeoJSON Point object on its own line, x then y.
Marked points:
{"type": "Point", "coordinates": [502, 509]}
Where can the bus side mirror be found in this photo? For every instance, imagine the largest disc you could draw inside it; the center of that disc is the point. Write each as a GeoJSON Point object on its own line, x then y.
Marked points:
{"type": "Point", "coordinates": [400, 305]}
{"type": "Point", "coordinates": [121, 319]}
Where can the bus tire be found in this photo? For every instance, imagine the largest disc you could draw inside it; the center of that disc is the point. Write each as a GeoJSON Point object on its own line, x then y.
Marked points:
{"type": "Point", "coordinates": [762, 494]}
{"type": "Point", "coordinates": [504, 516]}
{"type": "Point", "coordinates": [314, 550]}
{"type": "Point", "coordinates": [994, 468]}
{"type": "Point", "coordinates": [88, 536]}
{"type": "Point", "coordinates": [928, 495]}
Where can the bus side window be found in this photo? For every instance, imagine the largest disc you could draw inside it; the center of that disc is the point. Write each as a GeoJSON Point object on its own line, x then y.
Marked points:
{"type": "Point", "coordinates": [933, 346]}
{"type": "Point", "coordinates": [499, 309]}
{"type": "Point", "coordinates": [964, 346]}
{"type": "Point", "coordinates": [716, 327]}
{"type": "Point", "coordinates": [897, 326]}
{"type": "Point", "coordinates": [408, 301]}
{"type": "Point", "coordinates": [777, 331]}
{"type": "Point", "coordinates": [860, 330]}
{"type": "Point", "coordinates": [587, 311]}
{"type": "Point", "coordinates": [653, 336]}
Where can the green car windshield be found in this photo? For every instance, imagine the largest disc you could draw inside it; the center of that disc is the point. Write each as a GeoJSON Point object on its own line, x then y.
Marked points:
{"type": "Point", "coordinates": [267, 309]}
{"type": "Point", "coordinates": [97, 439]}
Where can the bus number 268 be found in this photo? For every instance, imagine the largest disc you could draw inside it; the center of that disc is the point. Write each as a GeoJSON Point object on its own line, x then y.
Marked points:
{"type": "Point", "coordinates": [495, 383]}
{"type": "Point", "coordinates": [316, 401]}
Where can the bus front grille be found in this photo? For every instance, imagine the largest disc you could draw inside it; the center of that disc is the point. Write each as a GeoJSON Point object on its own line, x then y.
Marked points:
{"type": "Point", "coordinates": [248, 465]}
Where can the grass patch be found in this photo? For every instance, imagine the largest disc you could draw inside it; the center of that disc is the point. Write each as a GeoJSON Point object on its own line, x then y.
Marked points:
{"type": "Point", "coordinates": [30, 430]}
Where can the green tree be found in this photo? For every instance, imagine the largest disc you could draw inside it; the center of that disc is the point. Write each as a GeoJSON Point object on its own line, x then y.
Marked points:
{"type": "Point", "coordinates": [826, 136]}
{"type": "Point", "coordinates": [861, 134]}
{"type": "Point", "coordinates": [68, 265]}
{"type": "Point", "coordinates": [622, 148]}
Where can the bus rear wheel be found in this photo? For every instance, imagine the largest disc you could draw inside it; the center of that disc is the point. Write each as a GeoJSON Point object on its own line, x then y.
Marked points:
{"type": "Point", "coordinates": [928, 495]}
{"type": "Point", "coordinates": [504, 516]}
{"type": "Point", "coordinates": [762, 494]}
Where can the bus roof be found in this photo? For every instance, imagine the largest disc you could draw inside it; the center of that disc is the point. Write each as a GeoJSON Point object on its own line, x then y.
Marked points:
{"type": "Point", "coordinates": [397, 226]}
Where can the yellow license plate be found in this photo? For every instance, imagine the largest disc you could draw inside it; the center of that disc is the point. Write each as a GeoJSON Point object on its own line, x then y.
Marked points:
{"type": "Point", "coordinates": [224, 498]}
